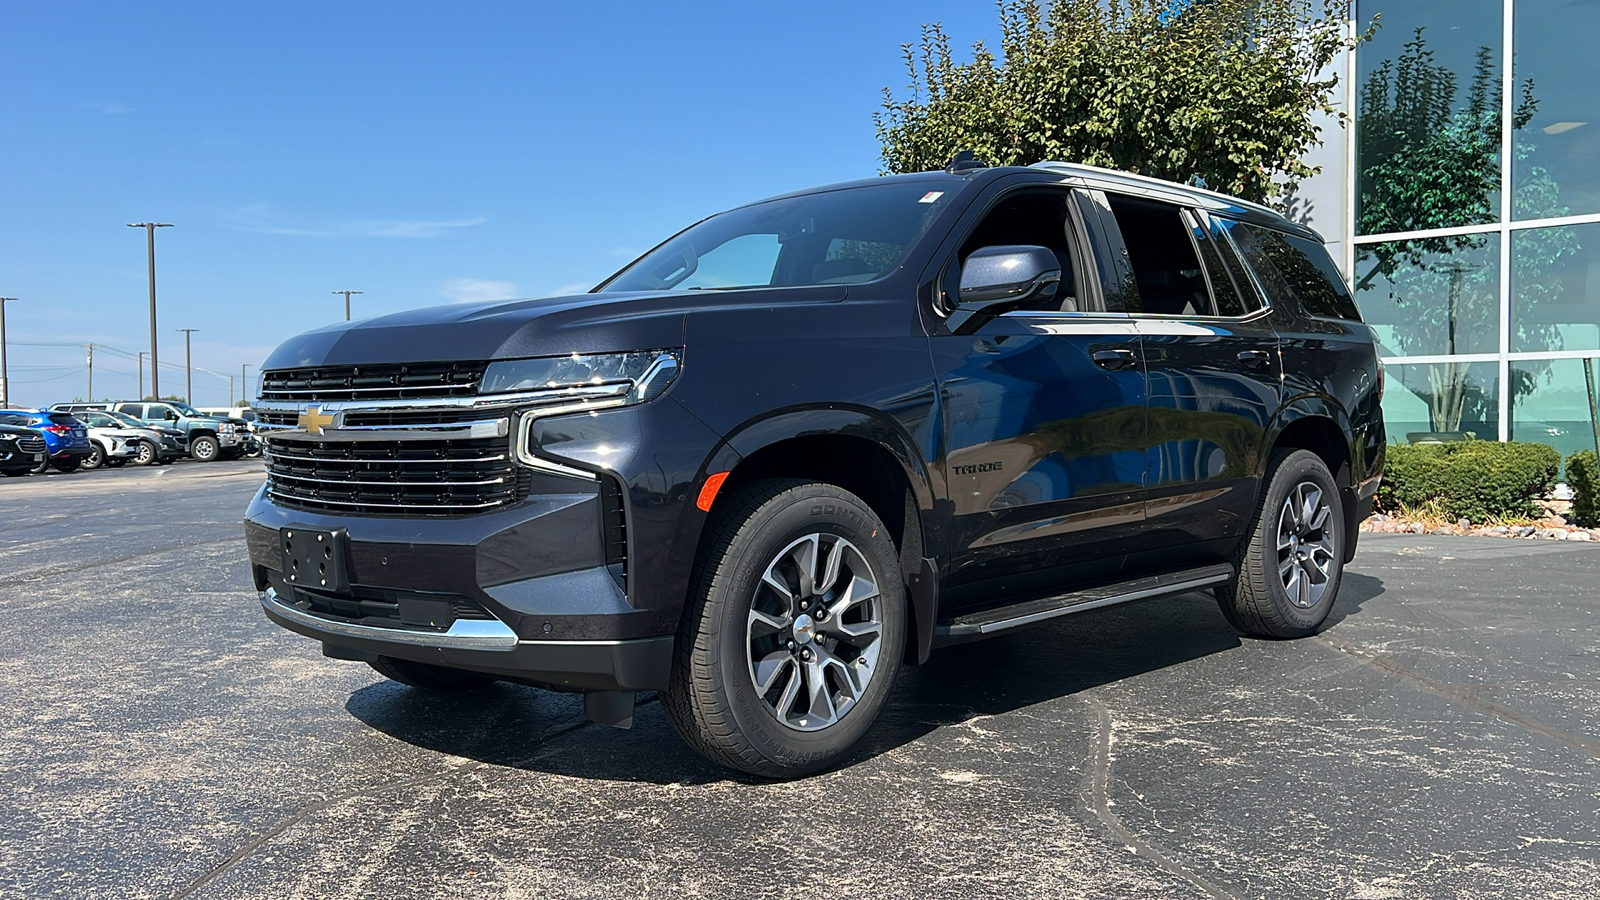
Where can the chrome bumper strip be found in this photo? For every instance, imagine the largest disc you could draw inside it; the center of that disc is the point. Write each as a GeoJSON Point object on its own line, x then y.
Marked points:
{"type": "Point", "coordinates": [464, 634]}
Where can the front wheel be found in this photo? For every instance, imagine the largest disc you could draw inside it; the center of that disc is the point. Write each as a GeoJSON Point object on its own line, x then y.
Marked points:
{"type": "Point", "coordinates": [148, 454]}
{"type": "Point", "coordinates": [96, 458]}
{"type": "Point", "coordinates": [204, 448]}
{"type": "Point", "coordinates": [794, 631]}
{"type": "Point", "coordinates": [1289, 567]}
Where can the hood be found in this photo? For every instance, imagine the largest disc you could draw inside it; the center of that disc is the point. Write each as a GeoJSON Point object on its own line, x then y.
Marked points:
{"type": "Point", "coordinates": [584, 323]}
{"type": "Point", "coordinates": [17, 431]}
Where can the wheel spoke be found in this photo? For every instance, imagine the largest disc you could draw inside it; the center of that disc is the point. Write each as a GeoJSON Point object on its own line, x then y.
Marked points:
{"type": "Point", "coordinates": [791, 690]}
{"type": "Point", "coordinates": [1320, 520]}
{"type": "Point", "coordinates": [769, 667]}
{"type": "Point", "coordinates": [805, 560]}
{"type": "Point", "coordinates": [764, 623]}
{"type": "Point", "coordinates": [1310, 499]}
{"type": "Point", "coordinates": [821, 699]}
{"type": "Point", "coordinates": [830, 568]}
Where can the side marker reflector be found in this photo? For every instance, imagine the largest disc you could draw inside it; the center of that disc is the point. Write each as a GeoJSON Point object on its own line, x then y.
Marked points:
{"type": "Point", "coordinates": [708, 493]}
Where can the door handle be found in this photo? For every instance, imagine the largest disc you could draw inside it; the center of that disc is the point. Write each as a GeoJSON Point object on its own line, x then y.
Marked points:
{"type": "Point", "coordinates": [1115, 360]}
{"type": "Point", "coordinates": [1255, 359]}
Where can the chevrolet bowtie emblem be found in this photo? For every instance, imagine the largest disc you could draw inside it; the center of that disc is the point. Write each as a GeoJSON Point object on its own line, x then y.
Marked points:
{"type": "Point", "coordinates": [314, 420]}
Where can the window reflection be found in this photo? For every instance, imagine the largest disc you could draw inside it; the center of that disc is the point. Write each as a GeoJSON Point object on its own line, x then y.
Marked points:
{"type": "Point", "coordinates": [1557, 167]}
{"type": "Point", "coordinates": [1555, 288]}
{"type": "Point", "coordinates": [1445, 401]}
{"type": "Point", "coordinates": [1431, 297]}
{"type": "Point", "coordinates": [1428, 116]}
{"type": "Point", "coordinates": [1550, 404]}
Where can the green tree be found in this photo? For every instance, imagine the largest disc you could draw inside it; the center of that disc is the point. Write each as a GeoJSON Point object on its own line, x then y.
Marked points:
{"type": "Point", "coordinates": [1218, 93]}
{"type": "Point", "coordinates": [1428, 163]}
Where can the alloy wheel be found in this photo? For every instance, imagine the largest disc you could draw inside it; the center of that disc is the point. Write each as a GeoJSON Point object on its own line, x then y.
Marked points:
{"type": "Point", "coordinates": [1305, 544]}
{"type": "Point", "coordinates": [814, 631]}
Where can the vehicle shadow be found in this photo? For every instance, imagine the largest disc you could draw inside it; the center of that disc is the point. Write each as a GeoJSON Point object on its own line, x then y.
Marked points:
{"type": "Point", "coordinates": [526, 728]}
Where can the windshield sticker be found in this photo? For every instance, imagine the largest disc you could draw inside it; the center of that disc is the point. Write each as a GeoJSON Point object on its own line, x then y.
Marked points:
{"type": "Point", "coordinates": [931, 196]}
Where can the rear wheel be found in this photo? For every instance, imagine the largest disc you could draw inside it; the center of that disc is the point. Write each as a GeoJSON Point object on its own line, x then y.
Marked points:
{"type": "Point", "coordinates": [1288, 569]}
{"type": "Point", "coordinates": [428, 677]}
{"type": "Point", "coordinates": [41, 467]}
{"type": "Point", "coordinates": [794, 631]}
{"type": "Point", "coordinates": [204, 448]}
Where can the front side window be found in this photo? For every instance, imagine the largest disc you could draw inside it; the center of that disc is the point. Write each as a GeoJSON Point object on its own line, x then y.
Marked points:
{"type": "Point", "coordinates": [847, 236]}
{"type": "Point", "coordinates": [1032, 218]}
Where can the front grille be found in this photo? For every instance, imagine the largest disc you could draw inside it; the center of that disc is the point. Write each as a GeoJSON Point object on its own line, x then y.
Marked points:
{"type": "Point", "coordinates": [407, 381]}
{"type": "Point", "coordinates": [30, 445]}
{"type": "Point", "coordinates": [442, 477]}
{"type": "Point", "coordinates": [291, 418]}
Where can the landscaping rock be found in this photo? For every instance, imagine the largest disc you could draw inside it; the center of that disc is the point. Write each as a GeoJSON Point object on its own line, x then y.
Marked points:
{"type": "Point", "coordinates": [1580, 536]}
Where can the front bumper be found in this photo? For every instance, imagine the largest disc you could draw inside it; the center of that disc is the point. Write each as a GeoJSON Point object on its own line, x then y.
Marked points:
{"type": "Point", "coordinates": [492, 648]}
{"type": "Point", "coordinates": [537, 601]}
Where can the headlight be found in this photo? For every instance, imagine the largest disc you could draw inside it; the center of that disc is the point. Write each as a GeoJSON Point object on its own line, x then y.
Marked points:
{"type": "Point", "coordinates": [598, 380]}
{"type": "Point", "coordinates": [559, 385]}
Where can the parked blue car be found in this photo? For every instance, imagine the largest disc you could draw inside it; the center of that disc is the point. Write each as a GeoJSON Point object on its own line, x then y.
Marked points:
{"type": "Point", "coordinates": [66, 439]}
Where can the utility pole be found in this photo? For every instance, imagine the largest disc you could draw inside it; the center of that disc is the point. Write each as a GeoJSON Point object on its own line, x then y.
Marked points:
{"type": "Point", "coordinates": [244, 386]}
{"type": "Point", "coordinates": [230, 389]}
{"type": "Point", "coordinates": [188, 367]}
{"type": "Point", "coordinates": [5, 382]}
{"type": "Point", "coordinates": [90, 397]}
{"type": "Point", "coordinates": [141, 374]}
{"type": "Point", "coordinates": [347, 302]}
{"type": "Point", "coordinates": [155, 358]}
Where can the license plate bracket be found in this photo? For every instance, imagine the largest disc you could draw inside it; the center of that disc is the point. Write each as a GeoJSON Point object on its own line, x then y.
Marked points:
{"type": "Point", "coordinates": [315, 559]}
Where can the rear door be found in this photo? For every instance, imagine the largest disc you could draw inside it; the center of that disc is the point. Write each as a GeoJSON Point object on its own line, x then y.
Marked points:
{"type": "Point", "coordinates": [1212, 361]}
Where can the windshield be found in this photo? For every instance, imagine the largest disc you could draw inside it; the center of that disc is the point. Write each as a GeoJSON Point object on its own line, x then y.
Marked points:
{"type": "Point", "coordinates": [835, 237]}
{"type": "Point", "coordinates": [186, 409]}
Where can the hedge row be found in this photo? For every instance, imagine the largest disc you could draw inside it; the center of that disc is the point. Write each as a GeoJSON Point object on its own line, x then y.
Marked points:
{"type": "Point", "coordinates": [1475, 480]}
{"type": "Point", "coordinates": [1583, 476]}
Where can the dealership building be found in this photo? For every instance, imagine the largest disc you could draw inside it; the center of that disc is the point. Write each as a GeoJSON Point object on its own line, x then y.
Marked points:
{"type": "Point", "coordinates": [1464, 205]}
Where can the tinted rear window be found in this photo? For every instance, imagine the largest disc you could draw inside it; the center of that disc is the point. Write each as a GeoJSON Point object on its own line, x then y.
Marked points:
{"type": "Point", "coordinates": [1300, 267]}
{"type": "Point", "coordinates": [14, 419]}
{"type": "Point", "coordinates": [64, 419]}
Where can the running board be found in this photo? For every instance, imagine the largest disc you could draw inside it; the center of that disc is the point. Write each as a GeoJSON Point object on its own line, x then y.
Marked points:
{"type": "Point", "coordinates": [972, 626]}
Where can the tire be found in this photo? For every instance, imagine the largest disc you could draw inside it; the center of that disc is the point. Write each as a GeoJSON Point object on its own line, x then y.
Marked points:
{"type": "Point", "coordinates": [96, 457]}
{"type": "Point", "coordinates": [42, 467]}
{"type": "Point", "coordinates": [68, 464]}
{"type": "Point", "coordinates": [1276, 592]}
{"type": "Point", "coordinates": [741, 632]}
{"type": "Point", "coordinates": [148, 454]}
{"type": "Point", "coordinates": [204, 448]}
{"type": "Point", "coordinates": [428, 677]}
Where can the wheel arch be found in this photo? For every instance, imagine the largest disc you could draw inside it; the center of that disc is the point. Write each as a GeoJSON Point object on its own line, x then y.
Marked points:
{"type": "Point", "coordinates": [1320, 425]}
{"type": "Point", "coordinates": [861, 451]}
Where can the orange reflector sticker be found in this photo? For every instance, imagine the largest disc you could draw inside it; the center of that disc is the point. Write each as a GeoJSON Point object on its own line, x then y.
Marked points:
{"type": "Point", "coordinates": [708, 493]}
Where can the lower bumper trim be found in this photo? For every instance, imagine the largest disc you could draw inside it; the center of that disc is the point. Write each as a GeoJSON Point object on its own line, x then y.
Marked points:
{"type": "Point", "coordinates": [464, 634]}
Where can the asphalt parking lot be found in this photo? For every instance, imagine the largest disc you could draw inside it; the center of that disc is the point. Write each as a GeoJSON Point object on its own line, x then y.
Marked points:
{"type": "Point", "coordinates": [158, 738]}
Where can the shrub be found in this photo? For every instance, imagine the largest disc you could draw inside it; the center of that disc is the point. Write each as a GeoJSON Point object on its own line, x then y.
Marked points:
{"type": "Point", "coordinates": [1475, 480]}
{"type": "Point", "coordinates": [1583, 476]}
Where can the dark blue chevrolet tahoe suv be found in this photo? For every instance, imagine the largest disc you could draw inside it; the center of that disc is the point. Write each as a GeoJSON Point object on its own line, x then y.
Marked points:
{"type": "Point", "coordinates": [809, 440]}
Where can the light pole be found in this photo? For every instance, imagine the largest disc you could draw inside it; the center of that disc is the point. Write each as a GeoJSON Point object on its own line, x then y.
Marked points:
{"type": "Point", "coordinates": [188, 367]}
{"type": "Point", "coordinates": [5, 382]}
{"type": "Point", "coordinates": [155, 358]}
{"type": "Point", "coordinates": [90, 348]}
{"type": "Point", "coordinates": [141, 374]}
{"type": "Point", "coordinates": [244, 386]}
{"type": "Point", "coordinates": [347, 302]}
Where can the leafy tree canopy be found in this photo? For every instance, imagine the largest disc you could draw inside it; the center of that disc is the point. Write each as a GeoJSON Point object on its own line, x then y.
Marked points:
{"type": "Point", "coordinates": [1219, 93]}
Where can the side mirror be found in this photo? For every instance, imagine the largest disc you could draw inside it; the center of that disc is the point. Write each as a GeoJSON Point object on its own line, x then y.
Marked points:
{"type": "Point", "coordinates": [997, 279]}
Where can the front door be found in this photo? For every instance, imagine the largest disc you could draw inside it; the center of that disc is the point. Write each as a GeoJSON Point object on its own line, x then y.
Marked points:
{"type": "Point", "coordinates": [1044, 425]}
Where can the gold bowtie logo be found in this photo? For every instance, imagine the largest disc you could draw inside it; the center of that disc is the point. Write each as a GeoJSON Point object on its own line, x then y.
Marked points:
{"type": "Point", "coordinates": [314, 420]}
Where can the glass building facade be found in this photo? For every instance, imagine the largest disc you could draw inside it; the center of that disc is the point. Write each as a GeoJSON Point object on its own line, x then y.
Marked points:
{"type": "Point", "coordinates": [1464, 205]}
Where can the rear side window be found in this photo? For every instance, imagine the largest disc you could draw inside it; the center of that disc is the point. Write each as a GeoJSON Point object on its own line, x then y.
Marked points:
{"type": "Point", "coordinates": [64, 419]}
{"type": "Point", "coordinates": [1161, 251]}
{"type": "Point", "coordinates": [1297, 266]}
{"type": "Point", "coordinates": [14, 419]}
{"type": "Point", "coordinates": [133, 409]}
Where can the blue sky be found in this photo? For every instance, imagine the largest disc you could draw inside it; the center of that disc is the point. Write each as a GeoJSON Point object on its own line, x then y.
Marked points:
{"type": "Point", "coordinates": [419, 152]}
